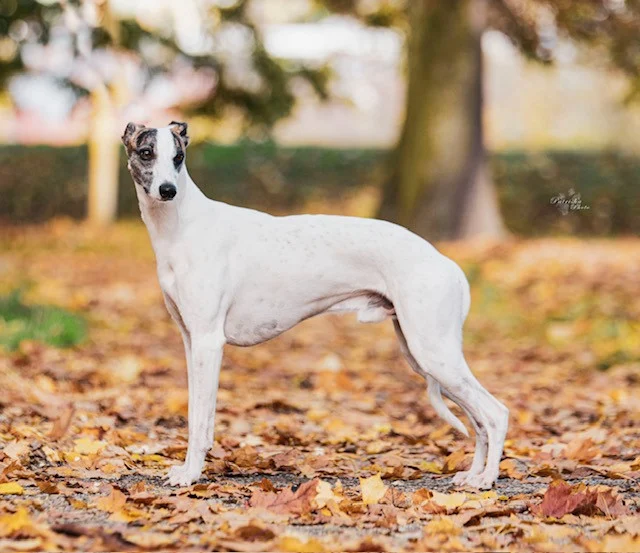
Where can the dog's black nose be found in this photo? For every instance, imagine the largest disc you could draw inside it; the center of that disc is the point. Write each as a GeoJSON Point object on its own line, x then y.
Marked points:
{"type": "Point", "coordinates": [168, 191]}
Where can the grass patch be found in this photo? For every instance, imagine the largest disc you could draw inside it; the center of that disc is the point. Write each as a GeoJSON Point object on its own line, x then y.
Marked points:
{"type": "Point", "coordinates": [51, 325]}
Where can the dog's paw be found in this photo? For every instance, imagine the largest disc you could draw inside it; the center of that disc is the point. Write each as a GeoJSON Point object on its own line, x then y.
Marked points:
{"type": "Point", "coordinates": [482, 481]}
{"type": "Point", "coordinates": [460, 478]}
{"type": "Point", "coordinates": [182, 475]}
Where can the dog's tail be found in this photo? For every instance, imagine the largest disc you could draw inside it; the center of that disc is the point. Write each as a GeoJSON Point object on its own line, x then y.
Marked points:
{"type": "Point", "coordinates": [441, 408]}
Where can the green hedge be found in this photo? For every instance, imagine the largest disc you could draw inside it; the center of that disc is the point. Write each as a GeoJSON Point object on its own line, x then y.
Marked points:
{"type": "Point", "coordinates": [608, 183]}
{"type": "Point", "coordinates": [37, 183]}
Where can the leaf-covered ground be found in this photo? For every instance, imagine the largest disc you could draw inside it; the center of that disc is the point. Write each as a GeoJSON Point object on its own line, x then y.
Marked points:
{"type": "Point", "coordinates": [325, 439]}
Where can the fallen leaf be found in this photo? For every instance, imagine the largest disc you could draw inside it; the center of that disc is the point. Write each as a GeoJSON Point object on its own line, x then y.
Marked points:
{"type": "Point", "coordinates": [254, 532]}
{"type": "Point", "coordinates": [372, 489]}
{"type": "Point", "coordinates": [325, 494]}
{"type": "Point", "coordinates": [62, 422]}
{"type": "Point", "coordinates": [582, 449]}
{"type": "Point", "coordinates": [296, 545]}
{"type": "Point", "coordinates": [561, 499]}
{"type": "Point", "coordinates": [16, 450]}
{"type": "Point", "coordinates": [443, 525]}
{"type": "Point", "coordinates": [449, 500]}
{"type": "Point", "coordinates": [15, 522]}
{"type": "Point", "coordinates": [287, 501]}
{"type": "Point", "coordinates": [87, 446]}
{"type": "Point", "coordinates": [111, 503]}
{"type": "Point", "coordinates": [11, 488]}
{"type": "Point", "coordinates": [512, 469]}
{"type": "Point", "coordinates": [457, 461]}
{"type": "Point", "coordinates": [610, 503]}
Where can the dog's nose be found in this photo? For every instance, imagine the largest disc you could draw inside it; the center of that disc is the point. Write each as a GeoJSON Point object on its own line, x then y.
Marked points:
{"type": "Point", "coordinates": [168, 191]}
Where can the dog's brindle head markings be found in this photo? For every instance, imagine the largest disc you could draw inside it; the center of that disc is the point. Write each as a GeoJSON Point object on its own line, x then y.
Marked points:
{"type": "Point", "coordinates": [156, 157]}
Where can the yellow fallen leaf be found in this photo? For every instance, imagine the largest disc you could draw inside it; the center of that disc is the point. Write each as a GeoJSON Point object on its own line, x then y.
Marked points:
{"type": "Point", "coordinates": [127, 514]}
{"type": "Point", "coordinates": [15, 522]}
{"type": "Point", "coordinates": [430, 466]}
{"type": "Point", "coordinates": [11, 488]}
{"type": "Point", "coordinates": [442, 525]}
{"type": "Point", "coordinates": [454, 462]}
{"type": "Point", "coordinates": [150, 540]}
{"type": "Point", "coordinates": [293, 544]}
{"type": "Point", "coordinates": [373, 489]}
{"type": "Point", "coordinates": [87, 446]}
{"type": "Point", "coordinates": [449, 500]}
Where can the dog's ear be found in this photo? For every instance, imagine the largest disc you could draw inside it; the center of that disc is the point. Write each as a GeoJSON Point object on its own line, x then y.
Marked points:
{"type": "Point", "coordinates": [129, 132]}
{"type": "Point", "coordinates": [181, 130]}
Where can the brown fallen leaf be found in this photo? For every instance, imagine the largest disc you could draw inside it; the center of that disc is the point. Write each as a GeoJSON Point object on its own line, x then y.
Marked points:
{"type": "Point", "coordinates": [561, 499]}
{"type": "Point", "coordinates": [46, 486]}
{"type": "Point", "coordinates": [62, 422]}
{"type": "Point", "coordinates": [581, 449]}
{"type": "Point", "coordinates": [610, 503]}
{"type": "Point", "coordinates": [111, 503]}
{"type": "Point", "coordinates": [287, 501]}
{"type": "Point", "coordinates": [253, 532]}
{"type": "Point", "coordinates": [16, 450]}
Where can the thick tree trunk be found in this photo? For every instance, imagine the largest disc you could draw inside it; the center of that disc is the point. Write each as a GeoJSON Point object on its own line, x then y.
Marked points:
{"type": "Point", "coordinates": [104, 160]}
{"type": "Point", "coordinates": [440, 185]}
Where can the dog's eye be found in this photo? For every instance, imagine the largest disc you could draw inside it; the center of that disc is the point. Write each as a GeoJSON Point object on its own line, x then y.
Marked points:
{"type": "Point", "coordinates": [145, 153]}
{"type": "Point", "coordinates": [178, 159]}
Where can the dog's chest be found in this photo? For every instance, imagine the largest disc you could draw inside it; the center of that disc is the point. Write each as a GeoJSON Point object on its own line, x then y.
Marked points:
{"type": "Point", "coordinates": [167, 277]}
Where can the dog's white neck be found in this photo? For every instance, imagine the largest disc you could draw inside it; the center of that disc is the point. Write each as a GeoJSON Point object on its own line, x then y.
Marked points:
{"type": "Point", "coordinates": [166, 220]}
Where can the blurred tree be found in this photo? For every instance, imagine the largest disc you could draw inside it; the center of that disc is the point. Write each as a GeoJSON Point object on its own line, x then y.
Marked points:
{"type": "Point", "coordinates": [439, 183]}
{"type": "Point", "coordinates": [223, 46]}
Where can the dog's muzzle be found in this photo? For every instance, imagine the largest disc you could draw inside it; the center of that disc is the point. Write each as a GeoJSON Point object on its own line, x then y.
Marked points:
{"type": "Point", "coordinates": [167, 191]}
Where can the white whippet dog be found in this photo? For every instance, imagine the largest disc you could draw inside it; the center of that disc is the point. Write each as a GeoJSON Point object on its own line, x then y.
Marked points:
{"type": "Point", "coordinates": [237, 276]}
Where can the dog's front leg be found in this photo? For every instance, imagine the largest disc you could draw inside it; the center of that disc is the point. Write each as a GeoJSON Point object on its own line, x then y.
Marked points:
{"type": "Point", "coordinates": [204, 372]}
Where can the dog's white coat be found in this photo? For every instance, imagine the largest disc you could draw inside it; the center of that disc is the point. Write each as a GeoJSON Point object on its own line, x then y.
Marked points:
{"type": "Point", "coordinates": [238, 276]}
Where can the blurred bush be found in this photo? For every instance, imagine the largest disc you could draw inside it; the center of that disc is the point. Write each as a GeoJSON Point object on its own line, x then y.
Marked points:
{"type": "Point", "coordinates": [37, 183]}
{"type": "Point", "coordinates": [51, 325]}
{"type": "Point", "coordinates": [606, 181]}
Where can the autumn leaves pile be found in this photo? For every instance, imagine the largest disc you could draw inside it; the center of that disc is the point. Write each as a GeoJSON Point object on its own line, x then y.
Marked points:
{"type": "Point", "coordinates": [324, 437]}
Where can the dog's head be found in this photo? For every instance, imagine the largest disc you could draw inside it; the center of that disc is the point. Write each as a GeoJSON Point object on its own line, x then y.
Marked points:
{"type": "Point", "coordinates": [156, 158]}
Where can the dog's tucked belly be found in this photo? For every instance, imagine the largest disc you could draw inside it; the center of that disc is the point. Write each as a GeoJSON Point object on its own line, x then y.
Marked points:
{"type": "Point", "coordinates": [250, 325]}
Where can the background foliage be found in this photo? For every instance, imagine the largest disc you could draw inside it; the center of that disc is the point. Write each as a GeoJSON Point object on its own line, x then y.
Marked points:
{"type": "Point", "coordinates": [266, 175]}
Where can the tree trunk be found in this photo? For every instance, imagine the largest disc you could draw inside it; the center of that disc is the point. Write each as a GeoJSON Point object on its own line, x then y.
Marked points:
{"type": "Point", "coordinates": [104, 146]}
{"type": "Point", "coordinates": [440, 185]}
{"type": "Point", "coordinates": [104, 159]}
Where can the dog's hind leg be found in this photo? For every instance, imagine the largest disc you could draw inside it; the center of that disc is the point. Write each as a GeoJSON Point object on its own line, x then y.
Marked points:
{"type": "Point", "coordinates": [434, 388]}
{"type": "Point", "coordinates": [443, 411]}
{"type": "Point", "coordinates": [454, 375]}
{"type": "Point", "coordinates": [434, 338]}
{"type": "Point", "coordinates": [480, 452]}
